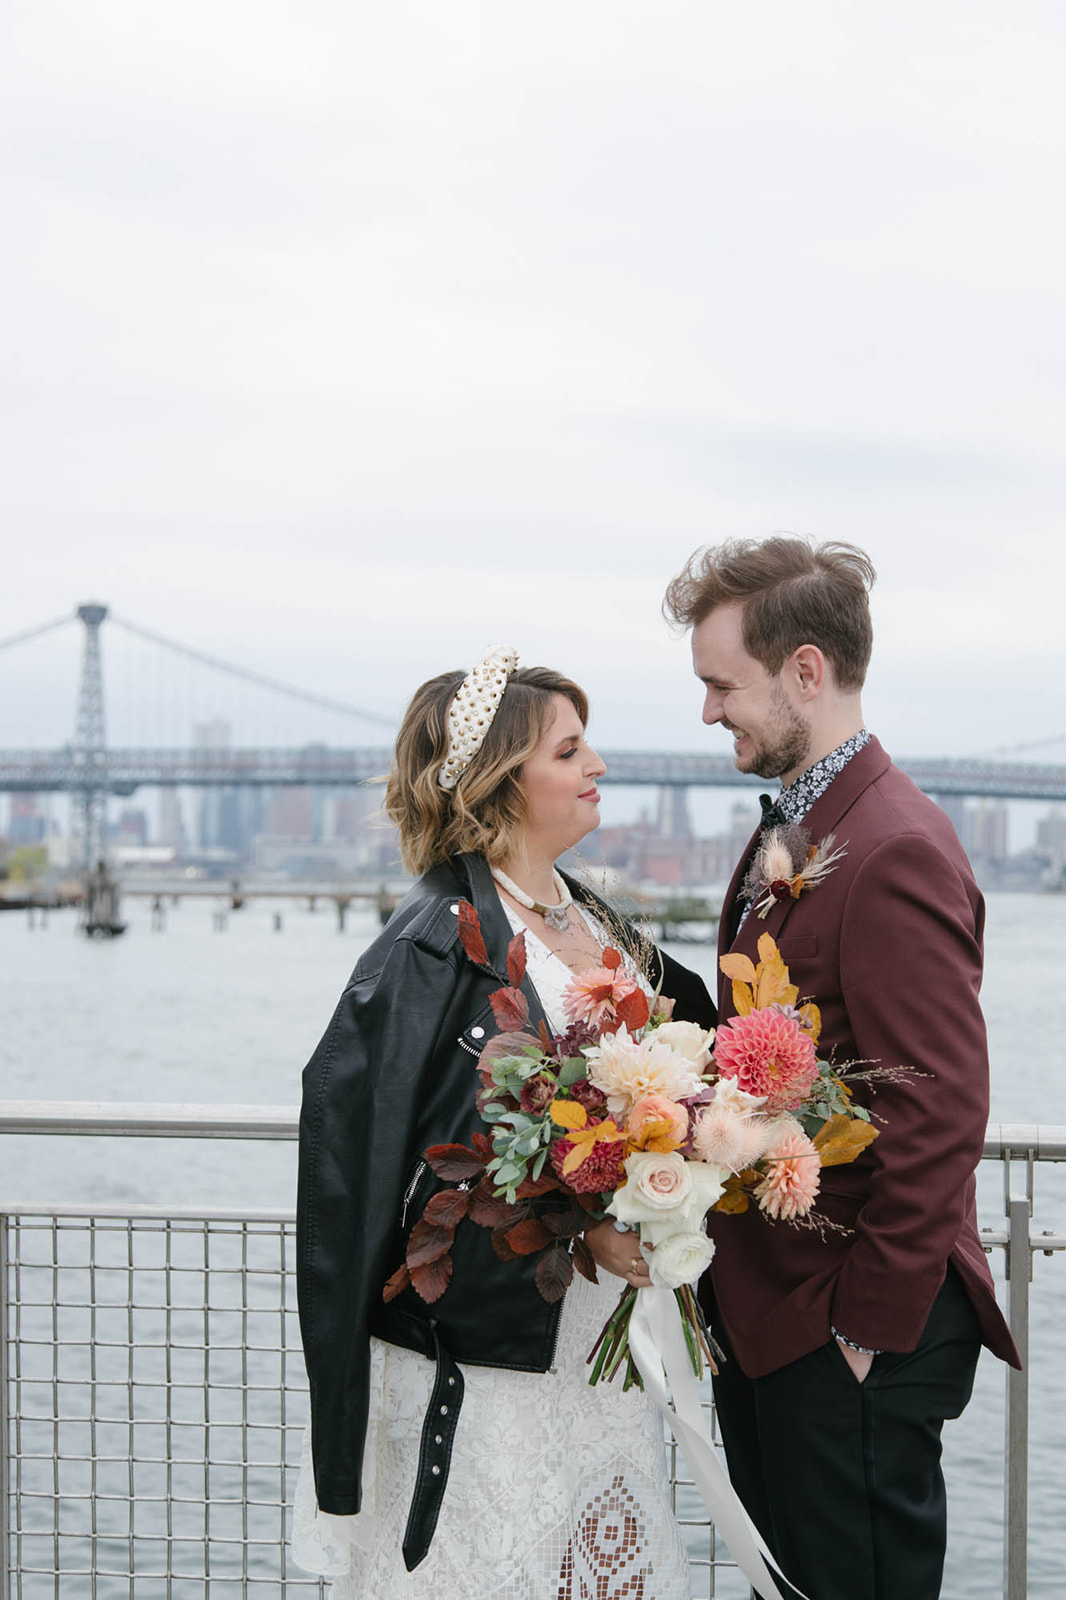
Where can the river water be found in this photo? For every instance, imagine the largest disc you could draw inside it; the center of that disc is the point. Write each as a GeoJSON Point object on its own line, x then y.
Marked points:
{"type": "Point", "coordinates": [197, 1014]}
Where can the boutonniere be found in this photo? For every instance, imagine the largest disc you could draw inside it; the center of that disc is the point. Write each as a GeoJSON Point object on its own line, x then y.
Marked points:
{"type": "Point", "coordinates": [786, 863]}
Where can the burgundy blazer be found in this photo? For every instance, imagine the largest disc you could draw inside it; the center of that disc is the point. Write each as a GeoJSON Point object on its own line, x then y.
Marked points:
{"type": "Point", "coordinates": [889, 946]}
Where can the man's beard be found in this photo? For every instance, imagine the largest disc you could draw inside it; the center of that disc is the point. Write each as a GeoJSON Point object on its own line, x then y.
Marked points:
{"type": "Point", "coordinates": [787, 745]}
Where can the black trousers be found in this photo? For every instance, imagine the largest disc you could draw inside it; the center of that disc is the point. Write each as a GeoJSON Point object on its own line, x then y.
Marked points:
{"type": "Point", "coordinates": [843, 1479]}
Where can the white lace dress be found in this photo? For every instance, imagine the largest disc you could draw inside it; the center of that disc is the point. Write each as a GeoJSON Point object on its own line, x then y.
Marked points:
{"type": "Point", "coordinates": [557, 1491]}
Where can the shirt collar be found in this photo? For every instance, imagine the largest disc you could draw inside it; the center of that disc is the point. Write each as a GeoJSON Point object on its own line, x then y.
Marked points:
{"type": "Point", "coordinates": [795, 801]}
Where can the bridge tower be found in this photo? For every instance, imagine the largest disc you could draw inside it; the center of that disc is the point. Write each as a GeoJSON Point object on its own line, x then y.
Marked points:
{"type": "Point", "coordinates": [89, 764]}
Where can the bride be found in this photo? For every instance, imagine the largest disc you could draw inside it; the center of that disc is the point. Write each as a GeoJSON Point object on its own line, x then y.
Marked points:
{"type": "Point", "coordinates": [456, 1449]}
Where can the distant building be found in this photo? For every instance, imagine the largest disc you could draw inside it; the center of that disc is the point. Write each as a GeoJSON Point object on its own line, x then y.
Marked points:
{"type": "Point", "coordinates": [987, 831]}
{"type": "Point", "coordinates": [28, 824]}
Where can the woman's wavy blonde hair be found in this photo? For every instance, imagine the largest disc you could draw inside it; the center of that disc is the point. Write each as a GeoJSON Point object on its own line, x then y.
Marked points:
{"type": "Point", "coordinates": [486, 811]}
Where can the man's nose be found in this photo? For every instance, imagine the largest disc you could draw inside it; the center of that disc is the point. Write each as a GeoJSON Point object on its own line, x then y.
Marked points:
{"type": "Point", "coordinates": [712, 708]}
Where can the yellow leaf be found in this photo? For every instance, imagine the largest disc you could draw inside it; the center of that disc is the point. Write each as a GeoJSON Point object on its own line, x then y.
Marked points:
{"type": "Point", "coordinates": [734, 1203]}
{"type": "Point", "coordinates": [568, 1113]}
{"type": "Point", "coordinates": [842, 1139]}
{"type": "Point", "coordinates": [738, 966]}
{"type": "Point", "coordinates": [768, 950]}
{"type": "Point", "coordinates": [742, 998]}
{"type": "Point", "coordinates": [774, 987]}
{"type": "Point", "coordinates": [811, 1020]}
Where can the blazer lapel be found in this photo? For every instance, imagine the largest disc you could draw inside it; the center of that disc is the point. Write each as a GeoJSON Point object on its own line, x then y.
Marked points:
{"type": "Point", "coordinates": [826, 815]}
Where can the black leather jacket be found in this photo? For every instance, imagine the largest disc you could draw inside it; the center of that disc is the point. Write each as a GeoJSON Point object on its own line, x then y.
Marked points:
{"type": "Point", "coordinates": [395, 1073]}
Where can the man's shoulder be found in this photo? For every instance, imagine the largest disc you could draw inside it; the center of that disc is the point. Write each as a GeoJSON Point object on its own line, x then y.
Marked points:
{"type": "Point", "coordinates": [904, 808]}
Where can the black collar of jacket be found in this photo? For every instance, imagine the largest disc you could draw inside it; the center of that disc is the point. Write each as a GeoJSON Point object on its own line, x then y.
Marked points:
{"type": "Point", "coordinates": [429, 916]}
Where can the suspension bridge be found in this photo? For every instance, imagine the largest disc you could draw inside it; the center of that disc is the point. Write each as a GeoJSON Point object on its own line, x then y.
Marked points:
{"type": "Point", "coordinates": [89, 770]}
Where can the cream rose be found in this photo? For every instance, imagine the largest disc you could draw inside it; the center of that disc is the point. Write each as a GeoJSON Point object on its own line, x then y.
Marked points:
{"type": "Point", "coordinates": [689, 1039]}
{"type": "Point", "coordinates": [679, 1259]}
{"type": "Point", "coordinates": [665, 1194]}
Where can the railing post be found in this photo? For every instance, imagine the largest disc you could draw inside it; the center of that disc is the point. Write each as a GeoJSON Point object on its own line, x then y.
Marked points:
{"type": "Point", "coordinates": [1019, 1210]}
{"type": "Point", "coordinates": [5, 1424]}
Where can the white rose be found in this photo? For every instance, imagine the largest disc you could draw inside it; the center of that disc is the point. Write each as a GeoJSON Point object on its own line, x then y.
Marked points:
{"type": "Point", "coordinates": [679, 1259]}
{"type": "Point", "coordinates": [707, 1185]}
{"type": "Point", "coordinates": [690, 1039]}
{"type": "Point", "coordinates": [666, 1194]}
{"type": "Point", "coordinates": [656, 1182]}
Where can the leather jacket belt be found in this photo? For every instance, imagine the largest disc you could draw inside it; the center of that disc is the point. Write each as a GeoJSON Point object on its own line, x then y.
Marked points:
{"type": "Point", "coordinates": [438, 1432]}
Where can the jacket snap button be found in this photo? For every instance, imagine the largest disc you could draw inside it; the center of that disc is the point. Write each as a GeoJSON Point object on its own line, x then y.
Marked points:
{"type": "Point", "coordinates": [454, 910]}
{"type": "Point", "coordinates": [437, 1439]}
{"type": "Point", "coordinates": [444, 1411]}
{"type": "Point", "coordinates": [451, 1383]}
{"type": "Point", "coordinates": [477, 1033]}
{"type": "Point", "coordinates": [435, 1471]}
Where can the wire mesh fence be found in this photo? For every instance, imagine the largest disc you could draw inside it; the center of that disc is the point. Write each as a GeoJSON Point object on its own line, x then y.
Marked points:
{"type": "Point", "coordinates": [156, 1407]}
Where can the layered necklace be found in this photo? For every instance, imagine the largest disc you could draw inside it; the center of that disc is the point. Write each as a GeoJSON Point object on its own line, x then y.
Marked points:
{"type": "Point", "coordinates": [557, 916]}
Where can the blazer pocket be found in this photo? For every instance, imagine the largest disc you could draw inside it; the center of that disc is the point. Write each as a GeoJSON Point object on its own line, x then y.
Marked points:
{"type": "Point", "coordinates": [800, 947]}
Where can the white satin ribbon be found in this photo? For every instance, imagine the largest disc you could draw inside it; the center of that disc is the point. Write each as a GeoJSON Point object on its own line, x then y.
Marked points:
{"type": "Point", "coordinates": [657, 1343]}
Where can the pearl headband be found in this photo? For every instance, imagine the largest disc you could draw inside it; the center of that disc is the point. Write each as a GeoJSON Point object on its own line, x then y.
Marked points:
{"type": "Point", "coordinates": [472, 709]}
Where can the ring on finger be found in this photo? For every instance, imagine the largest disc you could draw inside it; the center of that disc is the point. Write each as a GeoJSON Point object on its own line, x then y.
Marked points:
{"type": "Point", "coordinates": [636, 1264]}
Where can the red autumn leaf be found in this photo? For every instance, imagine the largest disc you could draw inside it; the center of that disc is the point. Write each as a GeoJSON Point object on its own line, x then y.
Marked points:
{"type": "Point", "coordinates": [396, 1284]}
{"type": "Point", "coordinates": [554, 1272]}
{"type": "Point", "coordinates": [428, 1242]}
{"type": "Point", "coordinates": [584, 1262]}
{"type": "Point", "coordinates": [534, 1186]}
{"type": "Point", "coordinates": [504, 1044]}
{"type": "Point", "coordinates": [545, 1037]}
{"type": "Point", "coordinates": [482, 1144]}
{"type": "Point", "coordinates": [510, 1008]}
{"type": "Point", "coordinates": [470, 934]}
{"type": "Point", "coordinates": [516, 959]}
{"type": "Point", "coordinates": [448, 1208]}
{"type": "Point", "coordinates": [488, 1210]}
{"type": "Point", "coordinates": [589, 1202]}
{"type": "Point", "coordinates": [501, 1247]}
{"type": "Point", "coordinates": [431, 1280]}
{"type": "Point", "coordinates": [565, 1224]}
{"type": "Point", "coordinates": [527, 1237]}
{"type": "Point", "coordinates": [632, 1010]}
{"type": "Point", "coordinates": [454, 1162]}
{"type": "Point", "coordinates": [611, 959]}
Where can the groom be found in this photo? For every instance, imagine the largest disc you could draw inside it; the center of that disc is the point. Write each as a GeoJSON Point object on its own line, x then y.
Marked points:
{"type": "Point", "coordinates": [848, 1344]}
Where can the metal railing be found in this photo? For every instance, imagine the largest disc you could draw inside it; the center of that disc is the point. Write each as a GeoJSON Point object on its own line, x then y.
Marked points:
{"type": "Point", "coordinates": [152, 1392]}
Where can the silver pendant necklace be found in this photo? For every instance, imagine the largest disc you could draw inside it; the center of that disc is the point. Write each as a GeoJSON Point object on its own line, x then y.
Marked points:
{"type": "Point", "coordinates": [556, 917]}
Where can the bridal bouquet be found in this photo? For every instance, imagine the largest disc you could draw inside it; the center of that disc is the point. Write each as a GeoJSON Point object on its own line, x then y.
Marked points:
{"type": "Point", "coordinates": [632, 1115]}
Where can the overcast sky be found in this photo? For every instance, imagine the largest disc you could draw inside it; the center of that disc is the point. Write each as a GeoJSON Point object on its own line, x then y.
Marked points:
{"type": "Point", "coordinates": [342, 340]}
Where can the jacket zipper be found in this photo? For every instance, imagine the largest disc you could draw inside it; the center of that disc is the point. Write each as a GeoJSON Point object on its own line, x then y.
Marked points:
{"type": "Point", "coordinates": [409, 1192]}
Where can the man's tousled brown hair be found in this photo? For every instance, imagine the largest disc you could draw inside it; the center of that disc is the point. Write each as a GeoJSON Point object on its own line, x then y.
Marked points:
{"type": "Point", "coordinates": [793, 592]}
{"type": "Point", "coordinates": [486, 810]}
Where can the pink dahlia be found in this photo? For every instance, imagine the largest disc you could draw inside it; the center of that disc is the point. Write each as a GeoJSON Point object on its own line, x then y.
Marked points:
{"type": "Point", "coordinates": [767, 1054]}
{"type": "Point", "coordinates": [602, 1171]}
{"type": "Point", "coordinates": [792, 1180]}
{"type": "Point", "coordinates": [591, 995]}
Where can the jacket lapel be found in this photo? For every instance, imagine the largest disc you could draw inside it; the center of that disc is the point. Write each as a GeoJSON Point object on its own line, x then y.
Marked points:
{"type": "Point", "coordinates": [495, 928]}
{"type": "Point", "coordinates": [827, 815]}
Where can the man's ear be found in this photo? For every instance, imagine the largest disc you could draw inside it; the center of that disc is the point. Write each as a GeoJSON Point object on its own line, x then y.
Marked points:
{"type": "Point", "coordinates": [809, 671]}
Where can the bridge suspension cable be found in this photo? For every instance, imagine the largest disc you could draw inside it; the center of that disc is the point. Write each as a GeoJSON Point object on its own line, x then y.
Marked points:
{"type": "Point", "coordinates": [263, 682]}
{"type": "Point", "coordinates": [31, 633]}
